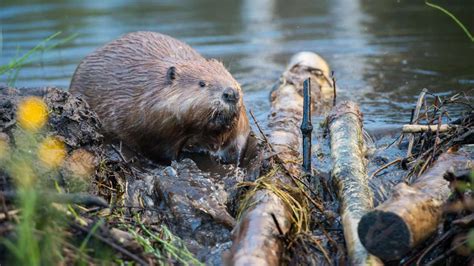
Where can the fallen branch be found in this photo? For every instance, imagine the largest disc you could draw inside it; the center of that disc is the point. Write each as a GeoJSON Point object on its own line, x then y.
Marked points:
{"type": "Point", "coordinates": [350, 173]}
{"type": "Point", "coordinates": [427, 128]}
{"type": "Point", "coordinates": [275, 202]}
{"type": "Point", "coordinates": [412, 213]}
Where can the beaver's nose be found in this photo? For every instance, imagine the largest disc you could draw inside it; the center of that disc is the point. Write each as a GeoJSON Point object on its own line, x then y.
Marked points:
{"type": "Point", "coordinates": [230, 95]}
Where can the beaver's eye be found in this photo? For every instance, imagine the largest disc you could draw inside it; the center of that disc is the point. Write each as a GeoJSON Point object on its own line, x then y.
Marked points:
{"type": "Point", "coordinates": [202, 84]}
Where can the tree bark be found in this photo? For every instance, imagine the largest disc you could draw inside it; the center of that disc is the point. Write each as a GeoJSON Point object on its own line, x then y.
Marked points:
{"type": "Point", "coordinates": [349, 171]}
{"type": "Point", "coordinates": [413, 212]}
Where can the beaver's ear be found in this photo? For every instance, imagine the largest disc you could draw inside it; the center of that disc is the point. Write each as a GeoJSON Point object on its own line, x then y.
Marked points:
{"type": "Point", "coordinates": [171, 74]}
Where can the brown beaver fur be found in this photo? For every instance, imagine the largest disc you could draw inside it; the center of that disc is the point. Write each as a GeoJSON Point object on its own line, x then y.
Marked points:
{"type": "Point", "coordinates": [161, 96]}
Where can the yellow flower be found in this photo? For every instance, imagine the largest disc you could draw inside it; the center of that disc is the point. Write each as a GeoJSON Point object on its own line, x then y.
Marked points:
{"type": "Point", "coordinates": [51, 152]}
{"type": "Point", "coordinates": [32, 113]}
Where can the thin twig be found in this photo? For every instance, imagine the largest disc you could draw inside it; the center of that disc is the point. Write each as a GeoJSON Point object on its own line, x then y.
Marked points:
{"type": "Point", "coordinates": [112, 245]}
{"type": "Point", "coordinates": [261, 131]}
{"type": "Point", "coordinates": [425, 164]}
{"type": "Point", "coordinates": [122, 157]}
{"type": "Point", "coordinates": [436, 141]}
{"type": "Point", "coordinates": [323, 250]}
{"type": "Point", "coordinates": [326, 234]}
{"type": "Point", "coordinates": [334, 89]}
{"type": "Point", "coordinates": [416, 114]}
{"type": "Point", "coordinates": [319, 206]}
{"type": "Point", "coordinates": [434, 244]}
{"type": "Point", "coordinates": [385, 166]}
{"type": "Point", "coordinates": [119, 152]}
{"type": "Point", "coordinates": [447, 253]}
{"type": "Point", "coordinates": [277, 224]}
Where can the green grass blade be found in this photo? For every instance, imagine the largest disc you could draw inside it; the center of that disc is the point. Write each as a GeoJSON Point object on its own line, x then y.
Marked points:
{"type": "Point", "coordinates": [89, 235]}
{"type": "Point", "coordinates": [15, 63]}
{"type": "Point", "coordinates": [460, 24]}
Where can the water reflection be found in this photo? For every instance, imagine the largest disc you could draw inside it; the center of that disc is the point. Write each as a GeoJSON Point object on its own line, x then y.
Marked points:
{"type": "Point", "coordinates": [349, 20]}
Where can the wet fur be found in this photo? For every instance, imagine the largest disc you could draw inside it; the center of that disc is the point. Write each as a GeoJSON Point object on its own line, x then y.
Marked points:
{"type": "Point", "coordinates": [126, 82]}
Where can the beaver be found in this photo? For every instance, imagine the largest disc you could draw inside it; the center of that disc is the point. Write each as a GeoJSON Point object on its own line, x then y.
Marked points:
{"type": "Point", "coordinates": [159, 95]}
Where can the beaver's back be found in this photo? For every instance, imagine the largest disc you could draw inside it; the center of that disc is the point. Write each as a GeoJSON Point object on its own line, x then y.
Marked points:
{"type": "Point", "coordinates": [112, 78]}
{"type": "Point", "coordinates": [128, 61]}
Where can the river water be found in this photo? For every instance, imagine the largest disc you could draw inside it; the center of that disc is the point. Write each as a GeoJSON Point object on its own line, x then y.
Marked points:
{"type": "Point", "coordinates": [383, 52]}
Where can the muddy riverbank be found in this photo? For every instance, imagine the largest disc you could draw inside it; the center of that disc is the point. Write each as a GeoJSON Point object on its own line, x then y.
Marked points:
{"type": "Point", "coordinates": [132, 209]}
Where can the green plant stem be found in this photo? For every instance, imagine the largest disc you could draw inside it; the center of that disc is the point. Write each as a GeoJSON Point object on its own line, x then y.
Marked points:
{"type": "Point", "coordinates": [89, 235]}
{"type": "Point", "coordinates": [460, 24]}
{"type": "Point", "coordinates": [27, 242]}
{"type": "Point", "coordinates": [14, 66]}
{"type": "Point", "coordinates": [15, 63]}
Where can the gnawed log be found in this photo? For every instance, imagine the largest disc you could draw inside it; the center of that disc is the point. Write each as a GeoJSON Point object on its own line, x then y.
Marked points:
{"type": "Point", "coordinates": [268, 214]}
{"type": "Point", "coordinates": [349, 171]}
{"type": "Point", "coordinates": [412, 213]}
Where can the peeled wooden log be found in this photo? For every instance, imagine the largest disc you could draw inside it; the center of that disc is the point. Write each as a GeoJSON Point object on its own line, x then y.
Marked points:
{"type": "Point", "coordinates": [427, 128]}
{"type": "Point", "coordinates": [349, 170]}
{"type": "Point", "coordinates": [413, 212]}
{"type": "Point", "coordinates": [256, 238]}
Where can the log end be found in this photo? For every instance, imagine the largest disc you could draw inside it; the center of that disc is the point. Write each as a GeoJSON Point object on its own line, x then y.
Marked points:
{"type": "Point", "coordinates": [384, 234]}
{"type": "Point", "coordinates": [309, 59]}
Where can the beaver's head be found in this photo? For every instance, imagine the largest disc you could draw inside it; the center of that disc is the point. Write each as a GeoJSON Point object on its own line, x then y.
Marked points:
{"type": "Point", "coordinates": [203, 94]}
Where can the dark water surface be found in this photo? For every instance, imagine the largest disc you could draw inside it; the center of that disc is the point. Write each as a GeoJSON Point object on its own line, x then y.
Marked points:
{"type": "Point", "coordinates": [383, 52]}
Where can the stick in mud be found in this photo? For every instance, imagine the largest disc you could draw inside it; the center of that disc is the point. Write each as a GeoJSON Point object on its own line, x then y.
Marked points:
{"type": "Point", "coordinates": [334, 89]}
{"type": "Point", "coordinates": [306, 126]}
{"type": "Point", "coordinates": [413, 212]}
